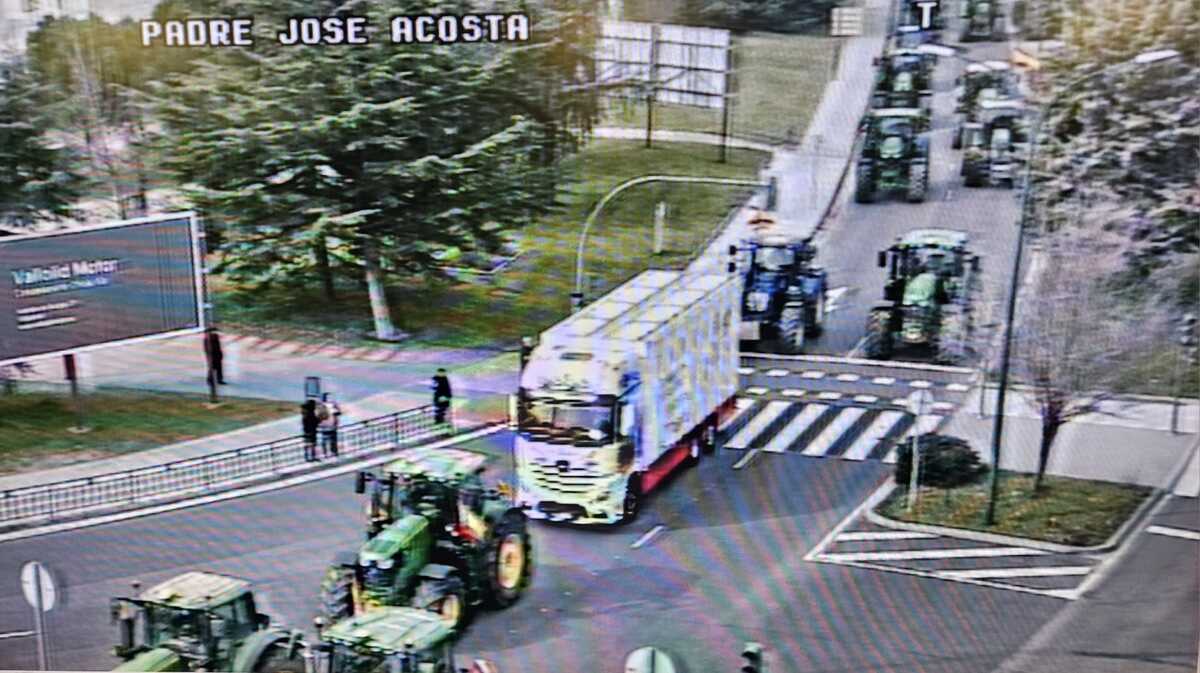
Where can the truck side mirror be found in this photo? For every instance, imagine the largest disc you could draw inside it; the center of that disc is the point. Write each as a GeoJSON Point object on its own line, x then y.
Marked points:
{"type": "Point", "coordinates": [881, 259]}
{"type": "Point", "coordinates": [360, 482]}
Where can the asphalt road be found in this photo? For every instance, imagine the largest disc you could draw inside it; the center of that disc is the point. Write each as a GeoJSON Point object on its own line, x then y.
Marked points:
{"type": "Point", "coordinates": [847, 244]}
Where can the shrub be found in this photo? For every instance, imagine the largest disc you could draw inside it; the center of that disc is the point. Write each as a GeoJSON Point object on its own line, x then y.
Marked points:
{"type": "Point", "coordinates": [946, 462]}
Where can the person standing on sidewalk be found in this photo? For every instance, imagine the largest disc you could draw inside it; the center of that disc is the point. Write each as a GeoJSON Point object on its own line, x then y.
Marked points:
{"type": "Point", "coordinates": [329, 426]}
{"type": "Point", "coordinates": [214, 355]}
{"type": "Point", "coordinates": [441, 396]}
{"type": "Point", "coordinates": [309, 422]}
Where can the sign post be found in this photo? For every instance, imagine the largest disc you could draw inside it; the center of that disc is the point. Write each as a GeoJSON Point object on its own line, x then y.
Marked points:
{"type": "Point", "coordinates": [39, 592]}
{"type": "Point", "coordinates": [917, 402]}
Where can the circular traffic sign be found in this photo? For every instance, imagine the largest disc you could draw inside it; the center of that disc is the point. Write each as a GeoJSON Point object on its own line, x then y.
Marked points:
{"type": "Point", "coordinates": [35, 581]}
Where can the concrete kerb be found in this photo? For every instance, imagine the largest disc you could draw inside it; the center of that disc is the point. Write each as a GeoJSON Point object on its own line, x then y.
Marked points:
{"type": "Point", "coordinates": [184, 498]}
{"type": "Point", "coordinates": [1115, 540]}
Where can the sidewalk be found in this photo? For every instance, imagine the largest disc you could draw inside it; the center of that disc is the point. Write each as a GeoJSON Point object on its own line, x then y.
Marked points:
{"type": "Point", "coordinates": [1133, 445]}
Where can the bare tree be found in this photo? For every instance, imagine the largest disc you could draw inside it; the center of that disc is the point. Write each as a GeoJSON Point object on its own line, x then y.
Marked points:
{"type": "Point", "coordinates": [1074, 333]}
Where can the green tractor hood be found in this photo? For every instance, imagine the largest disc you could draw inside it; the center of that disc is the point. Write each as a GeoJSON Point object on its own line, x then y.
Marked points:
{"type": "Point", "coordinates": [157, 659]}
{"type": "Point", "coordinates": [397, 537]}
{"type": "Point", "coordinates": [920, 290]}
{"type": "Point", "coordinates": [391, 629]}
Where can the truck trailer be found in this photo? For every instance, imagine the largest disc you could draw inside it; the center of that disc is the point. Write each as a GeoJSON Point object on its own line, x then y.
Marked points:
{"type": "Point", "coordinates": [617, 396]}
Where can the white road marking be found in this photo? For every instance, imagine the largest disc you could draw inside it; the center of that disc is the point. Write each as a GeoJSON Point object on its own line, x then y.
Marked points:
{"type": "Point", "coordinates": [919, 384]}
{"type": "Point", "coordinates": [648, 536]}
{"type": "Point", "coordinates": [866, 398]}
{"type": "Point", "coordinates": [883, 380]}
{"type": "Point", "coordinates": [792, 392]}
{"type": "Point", "coordinates": [993, 573]}
{"type": "Point", "coordinates": [756, 390]}
{"type": "Point", "coordinates": [957, 387]}
{"type": "Point", "coordinates": [811, 374]}
{"type": "Point", "coordinates": [870, 438]}
{"type": "Point", "coordinates": [832, 296]}
{"type": "Point", "coordinates": [901, 402]}
{"type": "Point", "coordinates": [933, 554]}
{"type": "Point", "coordinates": [860, 536]}
{"type": "Point", "coordinates": [15, 634]}
{"type": "Point", "coordinates": [745, 459]}
{"type": "Point", "coordinates": [757, 424]}
{"type": "Point", "coordinates": [741, 404]}
{"type": "Point", "coordinates": [848, 377]}
{"type": "Point", "coordinates": [778, 372]}
{"type": "Point", "coordinates": [830, 395]}
{"type": "Point", "coordinates": [825, 441]}
{"type": "Point", "coordinates": [1174, 532]}
{"type": "Point", "coordinates": [942, 406]}
{"type": "Point", "coordinates": [805, 418]}
{"type": "Point", "coordinates": [746, 371]}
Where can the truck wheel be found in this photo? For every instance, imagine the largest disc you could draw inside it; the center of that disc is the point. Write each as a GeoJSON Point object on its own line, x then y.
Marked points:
{"type": "Point", "coordinates": [918, 183]}
{"type": "Point", "coordinates": [447, 598]}
{"type": "Point", "coordinates": [879, 337]}
{"type": "Point", "coordinates": [279, 661]}
{"type": "Point", "coordinates": [633, 500]}
{"type": "Point", "coordinates": [510, 559]}
{"type": "Point", "coordinates": [791, 330]}
{"type": "Point", "coordinates": [337, 594]}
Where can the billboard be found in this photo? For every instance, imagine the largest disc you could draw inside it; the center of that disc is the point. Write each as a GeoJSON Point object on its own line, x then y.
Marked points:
{"type": "Point", "coordinates": [685, 64]}
{"type": "Point", "coordinates": [85, 288]}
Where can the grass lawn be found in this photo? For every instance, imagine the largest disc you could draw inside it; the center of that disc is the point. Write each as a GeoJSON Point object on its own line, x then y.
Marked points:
{"type": "Point", "coordinates": [33, 426]}
{"type": "Point", "coordinates": [534, 292]}
{"type": "Point", "coordinates": [780, 80]}
{"type": "Point", "coordinates": [1070, 511]}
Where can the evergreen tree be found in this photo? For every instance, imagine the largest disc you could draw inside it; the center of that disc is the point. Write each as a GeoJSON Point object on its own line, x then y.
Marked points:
{"type": "Point", "coordinates": [36, 182]}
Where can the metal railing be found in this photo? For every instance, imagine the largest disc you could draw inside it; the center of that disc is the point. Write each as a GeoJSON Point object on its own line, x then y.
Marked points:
{"type": "Point", "coordinates": [206, 474]}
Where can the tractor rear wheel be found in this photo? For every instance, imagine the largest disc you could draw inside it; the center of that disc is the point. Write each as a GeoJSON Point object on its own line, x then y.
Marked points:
{"type": "Point", "coordinates": [510, 559]}
{"type": "Point", "coordinates": [791, 330]}
{"type": "Point", "coordinates": [918, 182]}
{"type": "Point", "coordinates": [277, 660]}
{"type": "Point", "coordinates": [445, 597]}
{"type": "Point", "coordinates": [879, 337]}
{"type": "Point", "coordinates": [337, 594]}
{"type": "Point", "coordinates": [864, 187]}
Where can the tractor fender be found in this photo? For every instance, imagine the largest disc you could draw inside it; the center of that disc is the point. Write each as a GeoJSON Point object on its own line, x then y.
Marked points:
{"type": "Point", "coordinates": [436, 571]}
{"type": "Point", "coordinates": [256, 645]}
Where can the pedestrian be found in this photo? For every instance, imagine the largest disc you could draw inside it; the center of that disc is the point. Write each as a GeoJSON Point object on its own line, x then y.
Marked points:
{"type": "Point", "coordinates": [441, 396]}
{"type": "Point", "coordinates": [309, 421]}
{"type": "Point", "coordinates": [214, 355]}
{"type": "Point", "coordinates": [329, 426]}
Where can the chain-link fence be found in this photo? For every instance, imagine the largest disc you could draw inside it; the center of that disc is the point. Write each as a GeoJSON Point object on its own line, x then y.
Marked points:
{"type": "Point", "coordinates": [195, 476]}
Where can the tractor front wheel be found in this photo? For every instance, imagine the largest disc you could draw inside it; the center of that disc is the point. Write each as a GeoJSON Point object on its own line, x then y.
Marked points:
{"type": "Point", "coordinates": [510, 559]}
{"type": "Point", "coordinates": [279, 661]}
{"type": "Point", "coordinates": [337, 594]}
{"type": "Point", "coordinates": [791, 330]}
{"type": "Point", "coordinates": [446, 597]}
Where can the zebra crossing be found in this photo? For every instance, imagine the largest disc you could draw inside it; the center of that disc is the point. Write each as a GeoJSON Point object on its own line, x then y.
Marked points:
{"type": "Point", "coordinates": [818, 427]}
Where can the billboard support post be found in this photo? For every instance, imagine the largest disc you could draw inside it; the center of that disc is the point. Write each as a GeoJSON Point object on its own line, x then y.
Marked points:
{"type": "Point", "coordinates": [76, 400]}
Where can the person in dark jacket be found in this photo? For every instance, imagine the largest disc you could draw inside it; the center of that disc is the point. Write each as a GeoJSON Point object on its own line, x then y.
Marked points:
{"type": "Point", "coordinates": [310, 422]}
{"type": "Point", "coordinates": [214, 355]}
{"type": "Point", "coordinates": [441, 396]}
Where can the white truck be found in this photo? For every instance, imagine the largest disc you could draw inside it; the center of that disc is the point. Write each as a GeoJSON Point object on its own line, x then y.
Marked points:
{"type": "Point", "coordinates": [616, 396]}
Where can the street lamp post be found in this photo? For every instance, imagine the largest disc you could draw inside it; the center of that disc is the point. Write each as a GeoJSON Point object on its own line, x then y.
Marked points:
{"type": "Point", "coordinates": [577, 295]}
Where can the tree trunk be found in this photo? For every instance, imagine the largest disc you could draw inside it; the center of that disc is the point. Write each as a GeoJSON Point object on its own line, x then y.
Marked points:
{"type": "Point", "coordinates": [1049, 432]}
{"type": "Point", "coordinates": [384, 329]}
{"type": "Point", "coordinates": [321, 249]}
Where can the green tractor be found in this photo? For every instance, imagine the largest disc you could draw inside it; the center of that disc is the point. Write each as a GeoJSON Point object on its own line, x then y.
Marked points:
{"type": "Point", "coordinates": [202, 621]}
{"type": "Point", "coordinates": [980, 82]}
{"type": "Point", "coordinates": [903, 80]}
{"type": "Point", "coordinates": [982, 20]}
{"type": "Point", "coordinates": [995, 144]}
{"type": "Point", "coordinates": [389, 640]}
{"type": "Point", "coordinates": [894, 154]}
{"type": "Point", "coordinates": [931, 288]}
{"type": "Point", "coordinates": [437, 539]}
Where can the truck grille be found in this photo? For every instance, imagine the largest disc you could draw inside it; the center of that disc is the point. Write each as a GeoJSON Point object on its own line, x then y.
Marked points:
{"type": "Point", "coordinates": [574, 480]}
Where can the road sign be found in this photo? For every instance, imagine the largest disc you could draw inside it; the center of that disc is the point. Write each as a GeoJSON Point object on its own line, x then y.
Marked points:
{"type": "Point", "coordinates": [37, 586]}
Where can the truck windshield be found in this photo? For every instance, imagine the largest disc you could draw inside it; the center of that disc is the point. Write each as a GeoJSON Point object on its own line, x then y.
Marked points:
{"type": "Point", "coordinates": [557, 415]}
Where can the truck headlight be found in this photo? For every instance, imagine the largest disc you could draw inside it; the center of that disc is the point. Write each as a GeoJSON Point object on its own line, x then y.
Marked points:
{"type": "Point", "coordinates": [757, 301]}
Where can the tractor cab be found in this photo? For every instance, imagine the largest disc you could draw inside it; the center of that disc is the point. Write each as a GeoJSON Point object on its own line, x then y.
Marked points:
{"type": "Point", "coordinates": [387, 640]}
{"type": "Point", "coordinates": [198, 620]}
{"type": "Point", "coordinates": [436, 484]}
{"type": "Point", "coordinates": [925, 270]}
{"type": "Point", "coordinates": [982, 20]}
{"type": "Point", "coordinates": [890, 131]}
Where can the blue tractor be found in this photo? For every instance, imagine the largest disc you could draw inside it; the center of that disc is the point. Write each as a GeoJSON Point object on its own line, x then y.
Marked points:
{"type": "Point", "coordinates": [783, 294]}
